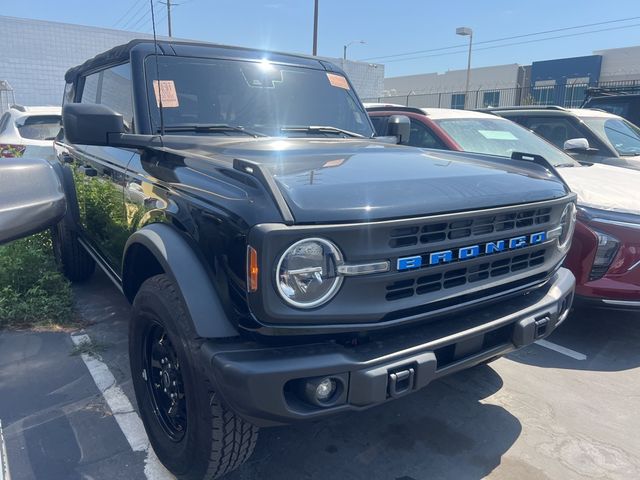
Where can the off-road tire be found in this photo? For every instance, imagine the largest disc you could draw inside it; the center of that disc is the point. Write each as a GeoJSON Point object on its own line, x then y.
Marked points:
{"type": "Point", "coordinates": [216, 440]}
{"type": "Point", "coordinates": [73, 260]}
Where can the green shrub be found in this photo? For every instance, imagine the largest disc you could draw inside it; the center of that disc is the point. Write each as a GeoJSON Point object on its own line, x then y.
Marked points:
{"type": "Point", "coordinates": [32, 291]}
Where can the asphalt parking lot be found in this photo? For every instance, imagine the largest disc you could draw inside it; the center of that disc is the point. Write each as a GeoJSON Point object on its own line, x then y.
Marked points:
{"type": "Point", "coordinates": [566, 409]}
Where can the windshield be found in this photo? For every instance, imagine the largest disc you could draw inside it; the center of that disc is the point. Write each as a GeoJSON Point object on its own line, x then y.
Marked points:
{"type": "Point", "coordinates": [40, 127]}
{"type": "Point", "coordinates": [622, 135]}
{"type": "Point", "coordinates": [500, 137]}
{"type": "Point", "coordinates": [262, 97]}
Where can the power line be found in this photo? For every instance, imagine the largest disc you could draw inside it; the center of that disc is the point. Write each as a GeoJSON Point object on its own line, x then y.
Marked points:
{"type": "Point", "coordinates": [133, 5]}
{"type": "Point", "coordinates": [514, 43]}
{"type": "Point", "coordinates": [136, 16]}
{"type": "Point", "coordinates": [505, 38]}
{"type": "Point", "coordinates": [131, 18]}
{"type": "Point", "coordinates": [142, 21]}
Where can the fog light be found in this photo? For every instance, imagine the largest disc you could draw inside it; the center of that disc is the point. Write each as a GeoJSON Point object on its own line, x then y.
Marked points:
{"type": "Point", "coordinates": [325, 389]}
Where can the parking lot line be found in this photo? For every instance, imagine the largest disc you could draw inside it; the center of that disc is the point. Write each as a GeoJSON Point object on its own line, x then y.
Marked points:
{"type": "Point", "coordinates": [4, 460]}
{"type": "Point", "coordinates": [123, 412]}
{"type": "Point", "coordinates": [563, 350]}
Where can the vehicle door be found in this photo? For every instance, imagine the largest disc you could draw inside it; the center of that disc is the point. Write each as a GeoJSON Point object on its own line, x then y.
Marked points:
{"type": "Point", "coordinates": [99, 172]}
{"type": "Point", "coordinates": [558, 129]}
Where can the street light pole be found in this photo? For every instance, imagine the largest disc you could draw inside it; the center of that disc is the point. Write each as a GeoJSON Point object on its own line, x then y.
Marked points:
{"type": "Point", "coordinates": [344, 48]}
{"type": "Point", "coordinates": [169, 17]}
{"type": "Point", "coordinates": [467, 32]}
{"type": "Point", "coordinates": [315, 28]}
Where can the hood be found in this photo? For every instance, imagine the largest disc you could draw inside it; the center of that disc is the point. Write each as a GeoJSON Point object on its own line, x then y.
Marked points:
{"type": "Point", "coordinates": [605, 187]}
{"type": "Point", "coordinates": [327, 180]}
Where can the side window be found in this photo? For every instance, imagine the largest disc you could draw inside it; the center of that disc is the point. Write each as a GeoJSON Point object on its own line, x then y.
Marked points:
{"type": "Point", "coordinates": [112, 88]}
{"type": "Point", "coordinates": [556, 130]}
{"type": "Point", "coordinates": [4, 121]}
{"type": "Point", "coordinates": [69, 93]}
{"type": "Point", "coordinates": [423, 137]}
{"type": "Point", "coordinates": [90, 88]}
{"type": "Point", "coordinates": [380, 125]}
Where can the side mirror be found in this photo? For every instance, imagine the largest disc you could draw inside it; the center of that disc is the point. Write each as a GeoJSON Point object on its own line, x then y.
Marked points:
{"type": "Point", "coordinates": [576, 144]}
{"type": "Point", "coordinates": [399, 126]}
{"type": "Point", "coordinates": [90, 124]}
{"type": "Point", "coordinates": [31, 197]}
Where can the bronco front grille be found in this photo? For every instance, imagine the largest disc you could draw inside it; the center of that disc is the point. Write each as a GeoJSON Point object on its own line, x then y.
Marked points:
{"type": "Point", "coordinates": [459, 275]}
{"type": "Point", "coordinates": [465, 228]}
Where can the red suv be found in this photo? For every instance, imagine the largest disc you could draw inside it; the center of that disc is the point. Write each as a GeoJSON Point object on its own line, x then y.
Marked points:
{"type": "Point", "coordinates": [605, 255]}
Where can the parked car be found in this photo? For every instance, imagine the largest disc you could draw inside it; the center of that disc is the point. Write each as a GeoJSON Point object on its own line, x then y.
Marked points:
{"type": "Point", "coordinates": [605, 255]}
{"type": "Point", "coordinates": [587, 135]}
{"type": "Point", "coordinates": [22, 126]}
{"type": "Point", "coordinates": [623, 101]}
{"type": "Point", "coordinates": [282, 263]}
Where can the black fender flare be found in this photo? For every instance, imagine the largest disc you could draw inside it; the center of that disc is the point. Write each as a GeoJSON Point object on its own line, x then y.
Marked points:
{"type": "Point", "coordinates": [185, 268]}
{"type": "Point", "coordinates": [72, 215]}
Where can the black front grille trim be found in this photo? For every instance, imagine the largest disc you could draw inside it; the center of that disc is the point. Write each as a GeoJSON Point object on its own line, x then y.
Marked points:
{"type": "Point", "coordinates": [533, 281]}
{"type": "Point", "coordinates": [459, 276]}
{"type": "Point", "coordinates": [468, 228]}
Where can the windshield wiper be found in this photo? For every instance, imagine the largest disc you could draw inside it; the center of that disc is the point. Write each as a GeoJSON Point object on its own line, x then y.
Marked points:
{"type": "Point", "coordinates": [214, 127]}
{"type": "Point", "coordinates": [321, 129]}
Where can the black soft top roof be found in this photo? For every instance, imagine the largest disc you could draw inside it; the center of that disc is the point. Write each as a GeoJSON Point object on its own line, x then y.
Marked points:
{"type": "Point", "coordinates": [115, 55]}
{"type": "Point", "coordinates": [121, 54]}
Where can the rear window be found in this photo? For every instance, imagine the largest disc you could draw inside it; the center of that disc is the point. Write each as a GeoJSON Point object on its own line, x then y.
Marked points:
{"type": "Point", "coordinates": [617, 107]}
{"type": "Point", "coordinates": [41, 127]}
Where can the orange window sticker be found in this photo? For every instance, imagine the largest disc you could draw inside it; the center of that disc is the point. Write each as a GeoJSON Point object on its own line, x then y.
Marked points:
{"type": "Point", "coordinates": [333, 163]}
{"type": "Point", "coordinates": [166, 90]}
{"type": "Point", "coordinates": [338, 81]}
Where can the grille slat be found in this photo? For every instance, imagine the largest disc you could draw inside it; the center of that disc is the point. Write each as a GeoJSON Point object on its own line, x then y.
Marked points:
{"type": "Point", "coordinates": [439, 231]}
{"type": "Point", "coordinates": [457, 277]}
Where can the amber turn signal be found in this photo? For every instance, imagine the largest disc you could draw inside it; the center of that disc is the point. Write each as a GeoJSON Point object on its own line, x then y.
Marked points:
{"type": "Point", "coordinates": [252, 269]}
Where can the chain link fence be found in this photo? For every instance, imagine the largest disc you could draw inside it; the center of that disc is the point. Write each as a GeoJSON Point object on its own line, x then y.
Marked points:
{"type": "Point", "coordinates": [568, 96]}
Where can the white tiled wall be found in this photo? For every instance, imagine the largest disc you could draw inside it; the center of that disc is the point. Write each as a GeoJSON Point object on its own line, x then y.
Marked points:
{"type": "Point", "coordinates": [35, 54]}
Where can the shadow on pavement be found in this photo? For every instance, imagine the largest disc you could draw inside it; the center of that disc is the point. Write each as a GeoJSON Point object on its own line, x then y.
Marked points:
{"type": "Point", "coordinates": [609, 339]}
{"type": "Point", "coordinates": [443, 431]}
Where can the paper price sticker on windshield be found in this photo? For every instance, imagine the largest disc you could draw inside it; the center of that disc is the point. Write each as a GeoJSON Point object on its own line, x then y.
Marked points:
{"type": "Point", "coordinates": [338, 81]}
{"type": "Point", "coordinates": [166, 90]}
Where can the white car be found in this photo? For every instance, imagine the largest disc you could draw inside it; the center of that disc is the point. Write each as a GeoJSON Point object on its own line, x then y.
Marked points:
{"type": "Point", "coordinates": [22, 126]}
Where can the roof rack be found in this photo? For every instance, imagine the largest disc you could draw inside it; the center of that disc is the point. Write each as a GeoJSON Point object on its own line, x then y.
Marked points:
{"type": "Point", "coordinates": [391, 108]}
{"type": "Point", "coordinates": [611, 91]}
{"type": "Point", "coordinates": [18, 107]}
{"type": "Point", "coordinates": [522, 107]}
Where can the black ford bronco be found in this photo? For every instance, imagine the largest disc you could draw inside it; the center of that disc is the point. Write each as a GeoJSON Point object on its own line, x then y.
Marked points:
{"type": "Point", "coordinates": [282, 263]}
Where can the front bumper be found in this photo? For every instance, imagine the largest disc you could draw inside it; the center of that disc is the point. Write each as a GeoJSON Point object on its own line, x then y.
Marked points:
{"type": "Point", "coordinates": [261, 382]}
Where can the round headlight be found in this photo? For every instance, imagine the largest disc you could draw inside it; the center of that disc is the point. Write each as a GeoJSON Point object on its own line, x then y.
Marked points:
{"type": "Point", "coordinates": [568, 224]}
{"type": "Point", "coordinates": [307, 273]}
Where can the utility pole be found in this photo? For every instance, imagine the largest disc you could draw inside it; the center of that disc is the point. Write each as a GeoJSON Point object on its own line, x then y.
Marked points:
{"type": "Point", "coordinates": [467, 32]}
{"type": "Point", "coordinates": [315, 29]}
{"type": "Point", "coordinates": [169, 16]}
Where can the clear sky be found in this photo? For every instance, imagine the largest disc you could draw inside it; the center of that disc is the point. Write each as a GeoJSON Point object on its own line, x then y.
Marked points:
{"type": "Point", "coordinates": [388, 27]}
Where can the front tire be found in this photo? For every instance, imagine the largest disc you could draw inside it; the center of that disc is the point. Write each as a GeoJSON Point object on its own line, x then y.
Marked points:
{"type": "Point", "coordinates": [72, 259]}
{"type": "Point", "coordinates": [191, 431]}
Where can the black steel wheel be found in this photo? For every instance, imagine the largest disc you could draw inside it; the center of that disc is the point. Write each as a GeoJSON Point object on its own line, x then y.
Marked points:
{"type": "Point", "coordinates": [164, 381]}
{"type": "Point", "coordinates": [193, 433]}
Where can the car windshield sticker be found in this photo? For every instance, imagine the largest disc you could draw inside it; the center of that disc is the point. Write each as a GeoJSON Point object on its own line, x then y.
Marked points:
{"type": "Point", "coordinates": [166, 91]}
{"type": "Point", "coordinates": [497, 135]}
{"type": "Point", "coordinates": [338, 81]}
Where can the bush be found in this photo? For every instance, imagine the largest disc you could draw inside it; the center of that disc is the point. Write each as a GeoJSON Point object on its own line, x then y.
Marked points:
{"type": "Point", "coordinates": [32, 290]}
